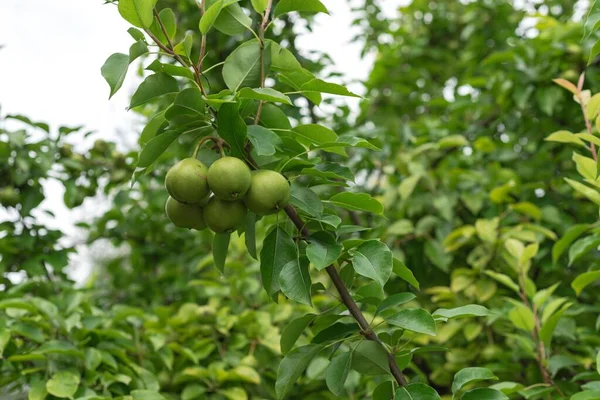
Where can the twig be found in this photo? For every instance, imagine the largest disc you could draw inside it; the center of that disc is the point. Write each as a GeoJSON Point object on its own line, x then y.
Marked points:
{"type": "Point", "coordinates": [261, 38]}
{"type": "Point", "coordinates": [348, 301]}
{"type": "Point", "coordinates": [588, 124]}
{"type": "Point", "coordinates": [202, 41]}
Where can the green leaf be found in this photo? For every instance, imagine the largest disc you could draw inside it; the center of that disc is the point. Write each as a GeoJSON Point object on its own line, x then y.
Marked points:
{"type": "Point", "coordinates": [565, 241]}
{"type": "Point", "coordinates": [156, 147]}
{"type": "Point", "coordinates": [590, 193]}
{"type": "Point", "coordinates": [169, 21]}
{"type": "Point", "coordinates": [219, 249]}
{"type": "Point", "coordinates": [587, 394]}
{"type": "Point", "coordinates": [136, 50]}
{"type": "Point", "coordinates": [264, 94]}
{"type": "Point", "coordinates": [319, 85]}
{"type": "Point", "coordinates": [263, 140]}
{"type": "Point", "coordinates": [4, 339]}
{"type": "Point", "coordinates": [286, 6]}
{"type": "Point", "coordinates": [565, 137]}
{"type": "Point", "coordinates": [292, 332]}
{"type": "Point", "coordinates": [416, 391]}
{"type": "Point", "coordinates": [314, 133]}
{"type": "Point", "coordinates": [394, 300]}
{"type": "Point", "coordinates": [357, 202]}
{"type": "Point", "coordinates": [583, 280]}
{"type": "Point", "coordinates": [146, 395]}
{"type": "Point", "coordinates": [585, 166]}
{"type": "Point", "coordinates": [594, 52]}
{"type": "Point", "coordinates": [37, 391]}
{"type": "Point", "coordinates": [292, 366]}
{"type": "Point", "coordinates": [93, 358]}
{"type": "Point", "coordinates": [233, 129]}
{"type": "Point", "coordinates": [384, 391]}
{"type": "Point", "coordinates": [59, 347]}
{"type": "Point", "coordinates": [503, 279]}
{"type": "Point", "coordinates": [63, 384]}
{"type": "Point", "coordinates": [17, 303]}
{"type": "Point", "coordinates": [210, 16]}
{"type": "Point", "coordinates": [414, 320]}
{"type": "Point", "coordinates": [522, 317]}
{"type": "Point", "coordinates": [295, 282]}
{"type": "Point", "coordinates": [370, 358]}
{"type": "Point", "coordinates": [484, 394]}
{"type": "Point", "coordinates": [242, 66]}
{"type": "Point", "coordinates": [152, 87]}
{"type": "Point", "coordinates": [330, 171]}
{"type": "Point", "coordinates": [472, 310]}
{"type": "Point", "coordinates": [306, 200]}
{"type": "Point", "coordinates": [583, 246]}
{"type": "Point", "coordinates": [278, 250]}
{"type": "Point", "coordinates": [184, 48]}
{"type": "Point", "coordinates": [403, 272]}
{"type": "Point", "coordinates": [188, 107]}
{"type": "Point", "coordinates": [541, 296]}
{"type": "Point", "coordinates": [250, 234]}
{"type": "Point", "coordinates": [337, 372]}
{"type": "Point", "coordinates": [232, 20]}
{"type": "Point", "coordinates": [29, 331]}
{"type": "Point", "coordinates": [137, 12]}
{"type": "Point", "coordinates": [323, 249]}
{"type": "Point", "coordinates": [336, 331]}
{"type": "Point", "coordinates": [259, 5]}
{"type": "Point", "coordinates": [470, 375]}
{"type": "Point", "coordinates": [114, 71]}
{"type": "Point", "coordinates": [373, 260]}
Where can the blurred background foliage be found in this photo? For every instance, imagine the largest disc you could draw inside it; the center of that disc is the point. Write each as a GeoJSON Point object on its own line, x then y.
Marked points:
{"type": "Point", "coordinates": [460, 99]}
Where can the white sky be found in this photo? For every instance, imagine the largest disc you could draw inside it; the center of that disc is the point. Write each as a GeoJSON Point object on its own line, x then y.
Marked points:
{"type": "Point", "coordinates": [53, 51]}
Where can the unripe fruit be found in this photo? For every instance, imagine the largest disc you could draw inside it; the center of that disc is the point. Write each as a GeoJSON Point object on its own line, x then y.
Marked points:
{"type": "Point", "coordinates": [186, 181]}
{"type": "Point", "coordinates": [184, 215]}
{"type": "Point", "coordinates": [269, 192]}
{"type": "Point", "coordinates": [66, 150]}
{"type": "Point", "coordinates": [9, 197]}
{"type": "Point", "coordinates": [229, 178]}
{"type": "Point", "coordinates": [224, 216]}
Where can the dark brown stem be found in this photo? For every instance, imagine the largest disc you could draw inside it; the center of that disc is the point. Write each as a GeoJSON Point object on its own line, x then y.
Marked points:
{"type": "Point", "coordinates": [348, 301]}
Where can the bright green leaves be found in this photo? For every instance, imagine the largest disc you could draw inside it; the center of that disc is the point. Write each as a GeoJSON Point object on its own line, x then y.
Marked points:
{"type": "Point", "coordinates": [63, 384]}
{"type": "Point", "coordinates": [152, 87]}
{"type": "Point", "coordinates": [155, 147]}
{"type": "Point", "coordinates": [470, 375]}
{"type": "Point", "coordinates": [169, 22]}
{"type": "Point", "coordinates": [278, 250]}
{"type": "Point", "coordinates": [188, 108]}
{"type": "Point", "coordinates": [370, 358]}
{"type": "Point", "coordinates": [319, 85]}
{"type": "Point", "coordinates": [484, 394]}
{"type": "Point", "coordinates": [307, 201]}
{"type": "Point", "coordinates": [416, 391]}
{"type": "Point", "coordinates": [114, 71]}
{"type": "Point", "coordinates": [264, 141]}
{"type": "Point", "coordinates": [582, 247]}
{"type": "Point", "coordinates": [583, 280]}
{"type": "Point", "coordinates": [242, 67]}
{"type": "Point", "coordinates": [357, 202]}
{"type": "Point", "coordinates": [37, 391]}
{"type": "Point", "coordinates": [415, 320]}
{"type": "Point", "coordinates": [337, 372]}
{"type": "Point", "coordinates": [232, 128]}
{"type": "Point", "coordinates": [323, 250]}
{"type": "Point", "coordinates": [210, 16]}
{"type": "Point", "coordinates": [471, 310]}
{"type": "Point", "coordinates": [137, 12]}
{"type": "Point", "coordinates": [292, 332]}
{"type": "Point", "coordinates": [286, 6]}
{"type": "Point", "coordinates": [232, 20]}
{"type": "Point", "coordinates": [295, 282]}
{"type": "Point", "coordinates": [314, 134]}
{"type": "Point", "coordinates": [394, 300]}
{"type": "Point", "coordinates": [292, 366]}
{"type": "Point", "coordinates": [373, 260]}
{"type": "Point", "coordinates": [219, 248]}
{"type": "Point", "coordinates": [264, 94]}
{"type": "Point", "coordinates": [259, 5]}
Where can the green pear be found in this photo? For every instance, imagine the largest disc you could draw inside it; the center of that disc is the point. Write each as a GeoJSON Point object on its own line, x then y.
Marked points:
{"type": "Point", "coordinates": [184, 215]}
{"type": "Point", "coordinates": [229, 178]}
{"type": "Point", "coordinates": [186, 181]}
{"type": "Point", "coordinates": [224, 216]}
{"type": "Point", "coordinates": [268, 194]}
{"type": "Point", "coordinates": [9, 197]}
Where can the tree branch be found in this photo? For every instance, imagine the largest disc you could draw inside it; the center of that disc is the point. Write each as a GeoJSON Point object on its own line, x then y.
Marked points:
{"type": "Point", "coordinates": [261, 37]}
{"type": "Point", "coordinates": [348, 301]}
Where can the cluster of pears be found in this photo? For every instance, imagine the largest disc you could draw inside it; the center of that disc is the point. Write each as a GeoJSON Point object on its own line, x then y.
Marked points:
{"type": "Point", "coordinates": [235, 190]}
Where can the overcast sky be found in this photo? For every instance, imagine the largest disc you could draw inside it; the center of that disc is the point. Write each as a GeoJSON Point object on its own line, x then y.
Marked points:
{"type": "Point", "coordinates": [53, 51]}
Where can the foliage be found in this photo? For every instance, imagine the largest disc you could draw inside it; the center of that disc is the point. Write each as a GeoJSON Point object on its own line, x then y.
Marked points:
{"type": "Point", "coordinates": [453, 221]}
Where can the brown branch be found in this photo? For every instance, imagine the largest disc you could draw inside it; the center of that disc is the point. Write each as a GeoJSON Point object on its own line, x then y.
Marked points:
{"type": "Point", "coordinates": [261, 37]}
{"type": "Point", "coordinates": [348, 301]}
{"type": "Point", "coordinates": [202, 42]}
